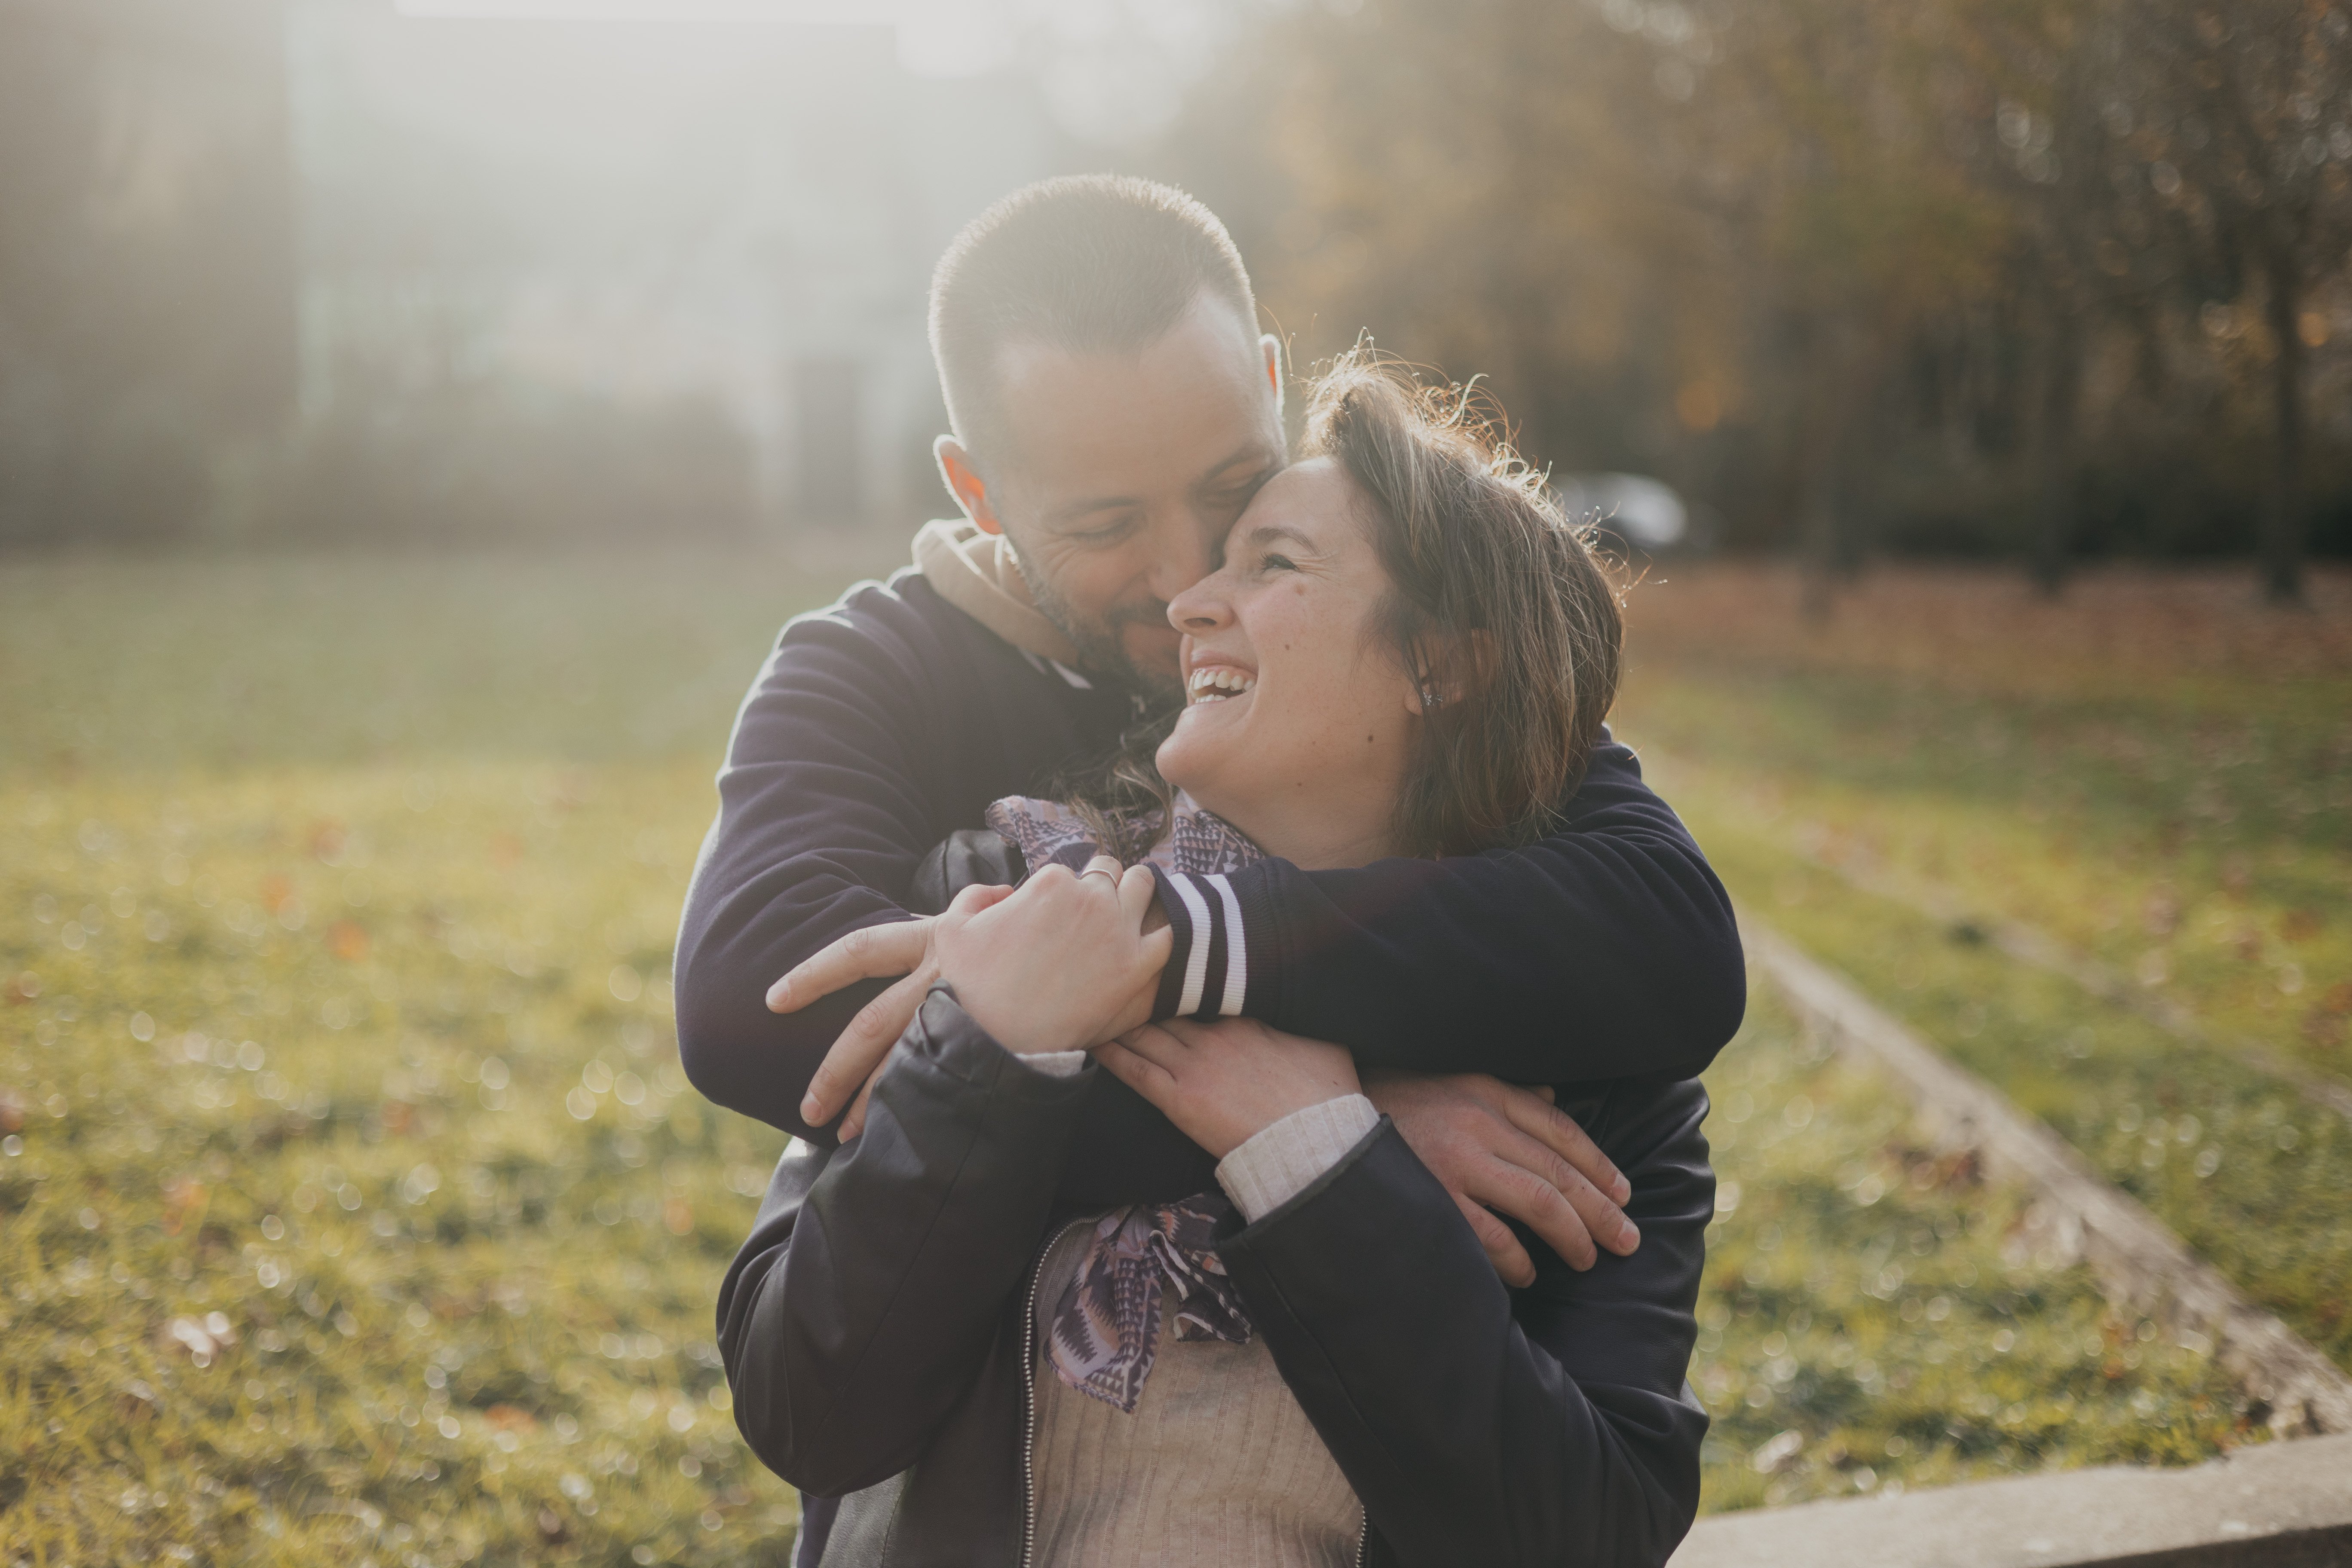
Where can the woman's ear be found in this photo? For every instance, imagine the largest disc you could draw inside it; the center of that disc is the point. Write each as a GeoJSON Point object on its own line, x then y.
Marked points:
{"type": "Point", "coordinates": [964, 483]}
{"type": "Point", "coordinates": [1449, 667]}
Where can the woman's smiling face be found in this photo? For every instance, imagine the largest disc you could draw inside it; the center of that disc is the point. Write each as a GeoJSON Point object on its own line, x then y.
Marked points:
{"type": "Point", "coordinates": [1300, 718]}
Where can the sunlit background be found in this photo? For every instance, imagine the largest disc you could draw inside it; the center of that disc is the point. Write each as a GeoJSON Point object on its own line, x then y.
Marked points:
{"type": "Point", "coordinates": [416, 419]}
{"type": "Point", "coordinates": [2049, 282]}
{"type": "Point", "coordinates": [476, 271]}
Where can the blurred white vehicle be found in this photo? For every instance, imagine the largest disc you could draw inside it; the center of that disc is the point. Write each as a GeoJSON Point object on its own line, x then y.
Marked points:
{"type": "Point", "coordinates": [1644, 512]}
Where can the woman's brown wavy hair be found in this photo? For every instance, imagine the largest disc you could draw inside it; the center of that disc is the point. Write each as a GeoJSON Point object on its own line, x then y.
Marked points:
{"type": "Point", "coordinates": [1496, 603]}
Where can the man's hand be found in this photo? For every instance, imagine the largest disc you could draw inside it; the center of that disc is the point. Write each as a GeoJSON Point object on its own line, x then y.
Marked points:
{"type": "Point", "coordinates": [1066, 949]}
{"type": "Point", "coordinates": [1223, 1083]}
{"type": "Point", "coordinates": [1493, 1145]}
{"type": "Point", "coordinates": [908, 948]}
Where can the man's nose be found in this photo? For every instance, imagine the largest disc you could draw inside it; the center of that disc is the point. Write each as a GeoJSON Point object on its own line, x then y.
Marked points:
{"type": "Point", "coordinates": [1182, 560]}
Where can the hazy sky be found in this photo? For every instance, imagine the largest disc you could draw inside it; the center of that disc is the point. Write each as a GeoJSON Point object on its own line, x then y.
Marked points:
{"type": "Point", "coordinates": [1108, 50]}
{"type": "Point", "coordinates": [648, 196]}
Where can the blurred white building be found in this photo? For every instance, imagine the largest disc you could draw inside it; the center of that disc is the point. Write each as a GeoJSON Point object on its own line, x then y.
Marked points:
{"type": "Point", "coordinates": [743, 211]}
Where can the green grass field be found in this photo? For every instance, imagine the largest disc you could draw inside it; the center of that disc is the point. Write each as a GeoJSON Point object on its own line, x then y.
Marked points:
{"type": "Point", "coordinates": [357, 1210]}
{"type": "Point", "coordinates": [352, 1203]}
{"type": "Point", "coordinates": [1875, 1317]}
{"type": "Point", "coordinates": [2158, 773]}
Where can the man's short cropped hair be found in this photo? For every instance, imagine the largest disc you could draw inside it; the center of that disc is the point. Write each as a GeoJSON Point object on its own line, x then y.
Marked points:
{"type": "Point", "coordinates": [1087, 264]}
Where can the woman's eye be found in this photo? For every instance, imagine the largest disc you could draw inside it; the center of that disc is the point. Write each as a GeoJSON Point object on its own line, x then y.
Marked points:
{"type": "Point", "coordinates": [1280, 563]}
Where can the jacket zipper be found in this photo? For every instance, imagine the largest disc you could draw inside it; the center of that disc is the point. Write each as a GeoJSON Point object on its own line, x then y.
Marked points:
{"type": "Point", "coordinates": [1363, 1537]}
{"type": "Point", "coordinates": [1029, 1402]}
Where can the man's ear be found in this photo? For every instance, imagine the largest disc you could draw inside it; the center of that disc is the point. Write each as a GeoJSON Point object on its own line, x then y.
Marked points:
{"type": "Point", "coordinates": [1271, 347]}
{"type": "Point", "coordinates": [964, 483]}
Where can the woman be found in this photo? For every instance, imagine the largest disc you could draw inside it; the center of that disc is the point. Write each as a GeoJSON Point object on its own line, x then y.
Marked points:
{"type": "Point", "coordinates": [1405, 653]}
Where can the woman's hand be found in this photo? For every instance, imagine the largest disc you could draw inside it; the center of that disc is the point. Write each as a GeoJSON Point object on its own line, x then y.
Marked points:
{"type": "Point", "coordinates": [1223, 1083]}
{"type": "Point", "coordinates": [1063, 963]}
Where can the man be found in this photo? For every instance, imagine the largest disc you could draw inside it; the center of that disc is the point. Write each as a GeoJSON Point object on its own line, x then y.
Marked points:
{"type": "Point", "coordinates": [1114, 410]}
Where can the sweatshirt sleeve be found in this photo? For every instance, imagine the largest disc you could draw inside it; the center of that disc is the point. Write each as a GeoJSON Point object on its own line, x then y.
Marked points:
{"type": "Point", "coordinates": [1605, 950]}
{"type": "Point", "coordinates": [824, 810]}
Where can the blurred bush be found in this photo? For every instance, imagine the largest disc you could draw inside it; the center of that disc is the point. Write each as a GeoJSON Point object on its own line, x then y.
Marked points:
{"type": "Point", "coordinates": [491, 463]}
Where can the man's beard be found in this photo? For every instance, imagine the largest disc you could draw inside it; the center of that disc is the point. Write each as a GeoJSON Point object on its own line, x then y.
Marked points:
{"type": "Point", "coordinates": [1101, 649]}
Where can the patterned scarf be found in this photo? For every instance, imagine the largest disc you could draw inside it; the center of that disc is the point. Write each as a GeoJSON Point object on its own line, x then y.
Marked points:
{"type": "Point", "coordinates": [1048, 832]}
{"type": "Point", "coordinates": [1105, 1328]}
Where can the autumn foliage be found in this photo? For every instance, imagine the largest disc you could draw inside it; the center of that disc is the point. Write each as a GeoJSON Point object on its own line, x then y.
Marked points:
{"type": "Point", "coordinates": [2037, 278]}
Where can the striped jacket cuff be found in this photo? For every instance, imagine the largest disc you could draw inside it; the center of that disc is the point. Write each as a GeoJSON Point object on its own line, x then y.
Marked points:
{"type": "Point", "coordinates": [1209, 969]}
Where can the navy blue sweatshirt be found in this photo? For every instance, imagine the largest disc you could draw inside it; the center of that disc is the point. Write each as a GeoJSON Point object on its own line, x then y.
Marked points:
{"type": "Point", "coordinates": [885, 722]}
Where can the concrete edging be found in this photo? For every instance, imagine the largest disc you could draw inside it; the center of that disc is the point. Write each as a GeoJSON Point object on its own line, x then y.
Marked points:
{"type": "Point", "coordinates": [2139, 1262]}
{"type": "Point", "coordinates": [2281, 1505]}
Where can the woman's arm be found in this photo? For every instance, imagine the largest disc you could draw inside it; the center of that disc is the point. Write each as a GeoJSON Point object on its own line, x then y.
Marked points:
{"type": "Point", "coordinates": [873, 1288]}
{"type": "Point", "coordinates": [856, 1316]}
{"type": "Point", "coordinates": [1607, 949]}
{"type": "Point", "coordinates": [1480, 1426]}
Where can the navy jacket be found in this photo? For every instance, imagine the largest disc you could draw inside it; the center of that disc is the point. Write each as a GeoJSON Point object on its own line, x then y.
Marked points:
{"type": "Point", "coordinates": [882, 725]}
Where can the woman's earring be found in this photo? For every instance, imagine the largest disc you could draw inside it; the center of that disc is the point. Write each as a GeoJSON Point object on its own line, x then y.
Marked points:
{"type": "Point", "coordinates": [1432, 698]}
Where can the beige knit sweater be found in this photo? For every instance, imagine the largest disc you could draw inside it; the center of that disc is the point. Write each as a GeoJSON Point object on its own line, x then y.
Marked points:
{"type": "Point", "coordinates": [1218, 1467]}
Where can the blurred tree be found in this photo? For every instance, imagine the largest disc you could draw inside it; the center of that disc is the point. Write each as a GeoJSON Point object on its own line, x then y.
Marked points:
{"type": "Point", "coordinates": [2033, 72]}
{"type": "Point", "coordinates": [1849, 271]}
{"type": "Point", "coordinates": [146, 257]}
{"type": "Point", "coordinates": [1461, 179]}
{"type": "Point", "coordinates": [1646, 222]}
{"type": "Point", "coordinates": [1851, 222]}
{"type": "Point", "coordinates": [2242, 116]}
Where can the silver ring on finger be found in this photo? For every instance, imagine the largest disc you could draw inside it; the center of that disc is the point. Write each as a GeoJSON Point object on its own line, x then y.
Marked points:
{"type": "Point", "coordinates": [1104, 865]}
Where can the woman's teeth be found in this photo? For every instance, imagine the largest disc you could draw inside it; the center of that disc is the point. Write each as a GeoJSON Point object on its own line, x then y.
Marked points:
{"type": "Point", "coordinates": [1214, 683]}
